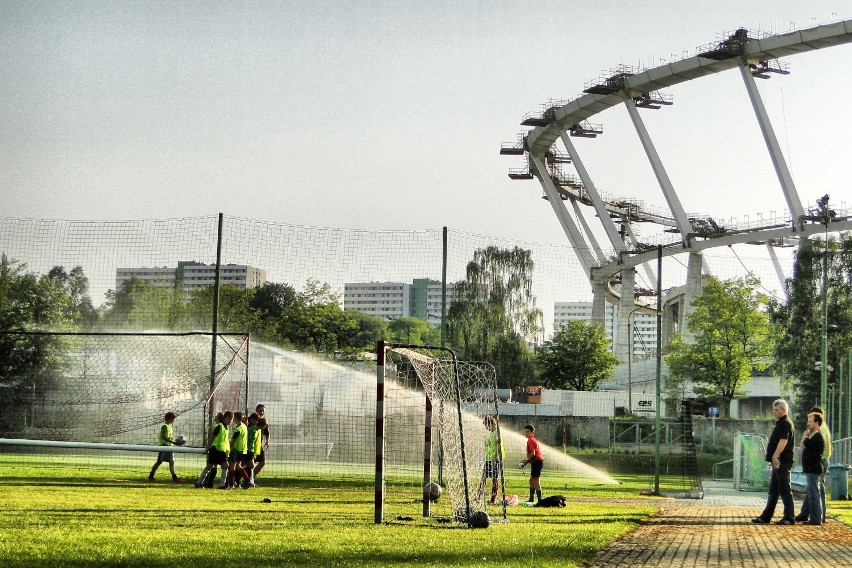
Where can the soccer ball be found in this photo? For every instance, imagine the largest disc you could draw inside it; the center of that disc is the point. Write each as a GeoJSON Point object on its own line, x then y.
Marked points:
{"type": "Point", "coordinates": [432, 491]}
{"type": "Point", "coordinates": [480, 520]}
{"type": "Point", "coordinates": [180, 440]}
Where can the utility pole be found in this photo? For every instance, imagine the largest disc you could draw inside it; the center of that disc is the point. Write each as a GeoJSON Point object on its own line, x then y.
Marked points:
{"type": "Point", "coordinates": [825, 215]}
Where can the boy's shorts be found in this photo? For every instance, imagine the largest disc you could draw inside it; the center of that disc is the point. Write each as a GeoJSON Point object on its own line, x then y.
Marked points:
{"type": "Point", "coordinates": [216, 457]}
{"type": "Point", "coordinates": [536, 468]}
{"type": "Point", "coordinates": [249, 457]}
{"type": "Point", "coordinates": [261, 457]}
{"type": "Point", "coordinates": [166, 457]}
{"type": "Point", "coordinates": [236, 457]}
{"type": "Point", "coordinates": [492, 470]}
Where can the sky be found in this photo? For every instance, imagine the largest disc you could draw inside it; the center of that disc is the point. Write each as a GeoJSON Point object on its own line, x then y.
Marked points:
{"type": "Point", "coordinates": [390, 115]}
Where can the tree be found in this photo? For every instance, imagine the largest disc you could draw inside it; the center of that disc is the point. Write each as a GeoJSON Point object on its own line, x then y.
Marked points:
{"type": "Point", "coordinates": [370, 329]}
{"type": "Point", "coordinates": [799, 319]}
{"type": "Point", "coordinates": [316, 320]}
{"type": "Point", "coordinates": [76, 285]}
{"type": "Point", "coordinates": [494, 317]}
{"type": "Point", "coordinates": [139, 305]}
{"type": "Point", "coordinates": [577, 357]}
{"type": "Point", "coordinates": [409, 330]}
{"type": "Point", "coordinates": [235, 312]}
{"type": "Point", "coordinates": [732, 337]}
{"type": "Point", "coordinates": [29, 364]}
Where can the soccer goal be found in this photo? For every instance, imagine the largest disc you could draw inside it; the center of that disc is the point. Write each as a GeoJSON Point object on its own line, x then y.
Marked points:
{"type": "Point", "coordinates": [751, 471]}
{"type": "Point", "coordinates": [425, 395]}
{"type": "Point", "coordinates": [71, 396]}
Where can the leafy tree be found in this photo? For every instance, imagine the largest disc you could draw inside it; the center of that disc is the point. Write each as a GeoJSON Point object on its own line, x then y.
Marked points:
{"type": "Point", "coordinates": [139, 305]}
{"type": "Point", "coordinates": [270, 301]}
{"type": "Point", "coordinates": [409, 330]}
{"type": "Point", "coordinates": [316, 320]}
{"type": "Point", "coordinates": [494, 317]}
{"type": "Point", "coordinates": [577, 357]}
{"type": "Point", "coordinates": [235, 312]}
{"type": "Point", "coordinates": [76, 285]}
{"type": "Point", "coordinates": [732, 337]}
{"type": "Point", "coordinates": [370, 330]}
{"type": "Point", "coordinates": [799, 319]}
{"type": "Point", "coordinates": [29, 363]}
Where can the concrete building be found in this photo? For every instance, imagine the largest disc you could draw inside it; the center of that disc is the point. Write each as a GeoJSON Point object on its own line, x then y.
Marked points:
{"type": "Point", "coordinates": [193, 275]}
{"type": "Point", "coordinates": [644, 326]}
{"type": "Point", "coordinates": [390, 300]}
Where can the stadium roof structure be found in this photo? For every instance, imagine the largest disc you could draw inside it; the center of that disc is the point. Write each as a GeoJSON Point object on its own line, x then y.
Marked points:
{"type": "Point", "coordinates": [757, 56]}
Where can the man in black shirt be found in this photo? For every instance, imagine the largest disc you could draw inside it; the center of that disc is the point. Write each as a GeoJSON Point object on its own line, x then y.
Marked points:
{"type": "Point", "coordinates": [779, 452]}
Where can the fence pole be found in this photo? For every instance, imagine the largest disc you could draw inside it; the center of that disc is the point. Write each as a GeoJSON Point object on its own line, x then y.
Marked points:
{"type": "Point", "coordinates": [215, 330]}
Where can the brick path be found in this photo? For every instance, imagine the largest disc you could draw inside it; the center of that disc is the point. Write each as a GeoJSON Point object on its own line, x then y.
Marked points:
{"type": "Point", "coordinates": [717, 532]}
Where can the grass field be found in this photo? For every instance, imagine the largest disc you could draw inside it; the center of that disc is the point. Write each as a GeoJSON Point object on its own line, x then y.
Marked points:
{"type": "Point", "coordinates": [56, 518]}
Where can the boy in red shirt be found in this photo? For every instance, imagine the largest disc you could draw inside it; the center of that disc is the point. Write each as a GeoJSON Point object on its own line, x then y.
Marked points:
{"type": "Point", "coordinates": [533, 457]}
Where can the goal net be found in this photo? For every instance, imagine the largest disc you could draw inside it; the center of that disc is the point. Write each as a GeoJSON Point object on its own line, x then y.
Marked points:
{"type": "Point", "coordinates": [454, 401]}
{"type": "Point", "coordinates": [115, 388]}
{"type": "Point", "coordinates": [751, 472]}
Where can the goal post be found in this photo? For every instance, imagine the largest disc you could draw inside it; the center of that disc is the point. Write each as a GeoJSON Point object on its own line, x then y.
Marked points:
{"type": "Point", "coordinates": [87, 392]}
{"type": "Point", "coordinates": [454, 402]}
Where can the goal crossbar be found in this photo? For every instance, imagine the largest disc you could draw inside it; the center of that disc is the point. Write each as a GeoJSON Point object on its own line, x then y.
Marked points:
{"type": "Point", "coordinates": [99, 446]}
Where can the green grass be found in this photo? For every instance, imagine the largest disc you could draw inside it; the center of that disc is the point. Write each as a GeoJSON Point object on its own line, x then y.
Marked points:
{"type": "Point", "coordinates": [111, 519]}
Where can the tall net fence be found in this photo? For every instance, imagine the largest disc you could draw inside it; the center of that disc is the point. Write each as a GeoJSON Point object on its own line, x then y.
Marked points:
{"type": "Point", "coordinates": [321, 410]}
{"type": "Point", "coordinates": [295, 254]}
{"type": "Point", "coordinates": [109, 388]}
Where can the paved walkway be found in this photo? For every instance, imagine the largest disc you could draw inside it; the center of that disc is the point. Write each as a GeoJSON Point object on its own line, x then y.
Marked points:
{"type": "Point", "coordinates": [717, 532]}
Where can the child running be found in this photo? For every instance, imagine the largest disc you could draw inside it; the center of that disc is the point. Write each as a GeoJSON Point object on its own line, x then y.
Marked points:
{"type": "Point", "coordinates": [534, 458]}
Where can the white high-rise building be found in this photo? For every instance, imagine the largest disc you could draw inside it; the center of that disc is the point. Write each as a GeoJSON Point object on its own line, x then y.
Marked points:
{"type": "Point", "coordinates": [390, 300]}
{"type": "Point", "coordinates": [644, 325]}
{"type": "Point", "coordinates": [193, 275]}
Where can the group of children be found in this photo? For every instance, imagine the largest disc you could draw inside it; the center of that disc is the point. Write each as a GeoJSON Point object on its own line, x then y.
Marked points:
{"type": "Point", "coordinates": [237, 446]}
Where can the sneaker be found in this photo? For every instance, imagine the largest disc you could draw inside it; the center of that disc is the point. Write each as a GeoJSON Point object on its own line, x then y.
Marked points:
{"type": "Point", "coordinates": [151, 480]}
{"type": "Point", "coordinates": [224, 487]}
{"type": "Point", "coordinates": [800, 518]}
{"type": "Point", "coordinates": [786, 521]}
{"type": "Point", "coordinates": [177, 480]}
{"type": "Point", "coordinates": [199, 486]}
{"type": "Point", "coordinates": [760, 521]}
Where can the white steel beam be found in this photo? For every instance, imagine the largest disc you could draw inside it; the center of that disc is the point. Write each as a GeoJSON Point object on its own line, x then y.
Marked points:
{"type": "Point", "coordinates": [794, 204]}
{"type": "Point", "coordinates": [586, 229]}
{"type": "Point", "coordinates": [605, 272]}
{"type": "Point", "coordinates": [597, 202]}
{"type": "Point", "coordinates": [683, 224]}
{"type": "Point", "coordinates": [576, 239]}
{"type": "Point", "coordinates": [652, 278]}
{"type": "Point", "coordinates": [778, 272]}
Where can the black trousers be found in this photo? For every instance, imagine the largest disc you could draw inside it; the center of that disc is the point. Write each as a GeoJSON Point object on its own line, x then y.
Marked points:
{"type": "Point", "coordinates": [779, 486]}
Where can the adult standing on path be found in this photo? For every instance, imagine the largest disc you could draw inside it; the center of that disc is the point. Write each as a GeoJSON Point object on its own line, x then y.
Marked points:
{"type": "Point", "coordinates": [812, 446]}
{"type": "Point", "coordinates": [779, 453]}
